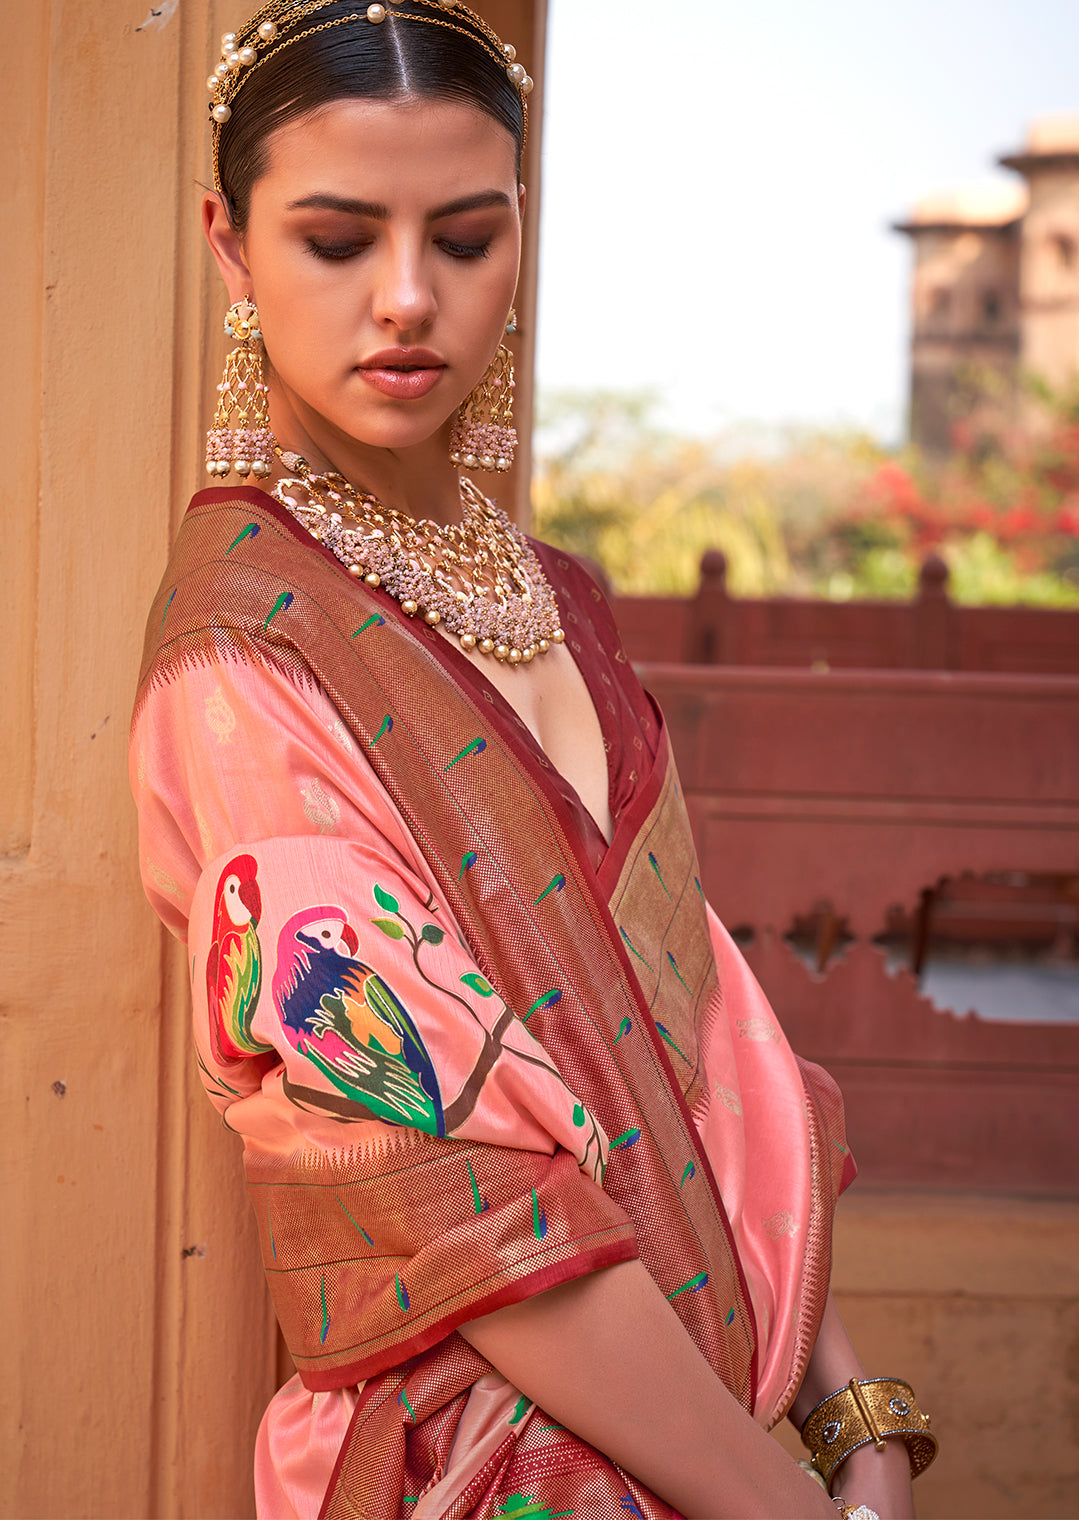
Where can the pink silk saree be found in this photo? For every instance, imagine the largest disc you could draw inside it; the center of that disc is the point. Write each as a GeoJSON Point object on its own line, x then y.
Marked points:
{"type": "Point", "coordinates": [472, 1052]}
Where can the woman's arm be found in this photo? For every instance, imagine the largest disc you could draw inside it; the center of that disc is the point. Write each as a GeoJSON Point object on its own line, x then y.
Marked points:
{"type": "Point", "coordinates": [880, 1479]}
{"type": "Point", "coordinates": [608, 1357]}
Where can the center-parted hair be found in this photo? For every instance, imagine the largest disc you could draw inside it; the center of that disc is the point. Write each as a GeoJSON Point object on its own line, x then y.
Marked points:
{"type": "Point", "coordinates": [396, 60]}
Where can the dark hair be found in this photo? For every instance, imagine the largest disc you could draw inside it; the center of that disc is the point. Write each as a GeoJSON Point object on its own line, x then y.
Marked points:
{"type": "Point", "coordinates": [393, 60]}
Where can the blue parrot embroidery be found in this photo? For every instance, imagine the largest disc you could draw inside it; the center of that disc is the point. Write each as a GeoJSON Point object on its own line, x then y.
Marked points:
{"type": "Point", "coordinates": [234, 963]}
{"type": "Point", "coordinates": [340, 1015]}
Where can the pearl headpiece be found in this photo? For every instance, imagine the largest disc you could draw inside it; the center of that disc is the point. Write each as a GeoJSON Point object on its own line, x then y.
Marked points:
{"type": "Point", "coordinates": [280, 22]}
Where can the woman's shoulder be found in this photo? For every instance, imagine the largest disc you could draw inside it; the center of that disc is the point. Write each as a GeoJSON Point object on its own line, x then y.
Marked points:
{"type": "Point", "coordinates": [583, 575]}
{"type": "Point", "coordinates": [581, 586]}
{"type": "Point", "coordinates": [238, 566]}
{"type": "Point", "coordinates": [230, 536]}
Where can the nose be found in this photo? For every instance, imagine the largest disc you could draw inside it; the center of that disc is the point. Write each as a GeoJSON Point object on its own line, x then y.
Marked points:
{"type": "Point", "coordinates": [404, 295]}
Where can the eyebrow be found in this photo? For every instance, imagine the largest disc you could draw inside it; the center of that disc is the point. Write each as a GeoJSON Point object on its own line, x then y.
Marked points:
{"type": "Point", "coordinates": [375, 211]}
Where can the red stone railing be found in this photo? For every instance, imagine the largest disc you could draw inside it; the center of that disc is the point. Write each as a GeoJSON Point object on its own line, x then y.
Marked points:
{"type": "Point", "coordinates": [841, 800]}
{"type": "Point", "coordinates": [866, 779]}
{"type": "Point", "coordinates": [928, 633]}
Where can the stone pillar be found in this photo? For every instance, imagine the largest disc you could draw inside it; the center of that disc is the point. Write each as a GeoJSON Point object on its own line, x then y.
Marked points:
{"type": "Point", "coordinates": [140, 1345]}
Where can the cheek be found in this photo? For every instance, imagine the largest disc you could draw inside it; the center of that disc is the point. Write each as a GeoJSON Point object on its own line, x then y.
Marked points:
{"type": "Point", "coordinates": [294, 297]}
{"type": "Point", "coordinates": [304, 330]}
{"type": "Point", "coordinates": [488, 296]}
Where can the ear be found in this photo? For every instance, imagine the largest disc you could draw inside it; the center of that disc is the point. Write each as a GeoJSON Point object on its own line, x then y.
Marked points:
{"type": "Point", "coordinates": [522, 196]}
{"type": "Point", "coordinates": [226, 247]}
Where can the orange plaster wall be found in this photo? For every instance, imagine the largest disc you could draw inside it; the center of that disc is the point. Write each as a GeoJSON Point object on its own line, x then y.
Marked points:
{"type": "Point", "coordinates": [975, 1302]}
{"type": "Point", "coordinates": [114, 1340]}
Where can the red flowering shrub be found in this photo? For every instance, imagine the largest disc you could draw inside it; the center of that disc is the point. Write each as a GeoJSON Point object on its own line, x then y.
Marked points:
{"type": "Point", "coordinates": [1020, 493]}
{"type": "Point", "coordinates": [826, 514]}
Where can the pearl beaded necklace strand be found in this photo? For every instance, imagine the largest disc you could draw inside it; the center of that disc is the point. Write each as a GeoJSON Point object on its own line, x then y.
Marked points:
{"type": "Point", "coordinates": [480, 578]}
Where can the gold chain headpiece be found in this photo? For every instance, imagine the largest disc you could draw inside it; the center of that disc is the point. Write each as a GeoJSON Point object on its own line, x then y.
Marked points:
{"type": "Point", "coordinates": [279, 23]}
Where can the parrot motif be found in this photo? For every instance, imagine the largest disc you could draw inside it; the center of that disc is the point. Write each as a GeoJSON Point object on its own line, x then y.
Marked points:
{"type": "Point", "coordinates": [340, 1015]}
{"type": "Point", "coordinates": [234, 964]}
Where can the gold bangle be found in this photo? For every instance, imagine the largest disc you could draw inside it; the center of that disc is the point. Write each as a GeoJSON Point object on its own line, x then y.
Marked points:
{"type": "Point", "coordinates": [874, 1409]}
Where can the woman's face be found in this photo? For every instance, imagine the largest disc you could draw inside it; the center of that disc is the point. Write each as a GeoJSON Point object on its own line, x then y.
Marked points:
{"type": "Point", "coordinates": [382, 250]}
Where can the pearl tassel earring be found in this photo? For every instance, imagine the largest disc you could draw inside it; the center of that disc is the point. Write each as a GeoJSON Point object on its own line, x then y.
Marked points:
{"type": "Point", "coordinates": [247, 445]}
{"type": "Point", "coordinates": [483, 436]}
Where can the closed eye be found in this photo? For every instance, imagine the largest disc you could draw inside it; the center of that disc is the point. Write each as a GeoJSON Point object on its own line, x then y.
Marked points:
{"type": "Point", "coordinates": [465, 250]}
{"type": "Point", "coordinates": [335, 250]}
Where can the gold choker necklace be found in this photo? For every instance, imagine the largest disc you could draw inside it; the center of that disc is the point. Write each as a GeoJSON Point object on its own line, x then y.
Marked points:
{"type": "Point", "coordinates": [479, 578]}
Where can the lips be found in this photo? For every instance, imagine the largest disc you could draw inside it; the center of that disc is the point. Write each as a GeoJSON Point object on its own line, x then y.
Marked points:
{"type": "Point", "coordinates": [405, 374]}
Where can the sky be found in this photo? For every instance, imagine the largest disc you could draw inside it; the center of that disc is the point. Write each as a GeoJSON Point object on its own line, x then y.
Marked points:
{"type": "Point", "coordinates": [720, 178]}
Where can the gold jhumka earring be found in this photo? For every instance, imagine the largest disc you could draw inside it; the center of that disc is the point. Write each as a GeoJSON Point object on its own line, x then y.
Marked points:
{"type": "Point", "coordinates": [245, 445]}
{"type": "Point", "coordinates": [483, 436]}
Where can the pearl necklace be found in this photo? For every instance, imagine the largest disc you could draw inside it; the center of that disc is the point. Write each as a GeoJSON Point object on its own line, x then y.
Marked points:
{"type": "Point", "coordinates": [479, 577]}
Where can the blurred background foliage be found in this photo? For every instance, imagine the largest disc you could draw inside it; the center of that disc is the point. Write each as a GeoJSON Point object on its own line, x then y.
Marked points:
{"type": "Point", "coordinates": [809, 513]}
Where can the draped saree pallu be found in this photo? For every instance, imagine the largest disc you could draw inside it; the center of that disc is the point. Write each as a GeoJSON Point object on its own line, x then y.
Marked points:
{"type": "Point", "coordinates": [503, 1063]}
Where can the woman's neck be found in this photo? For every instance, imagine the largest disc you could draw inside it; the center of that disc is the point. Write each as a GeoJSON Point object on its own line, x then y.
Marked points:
{"type": "Point", "coordinates": [419, 481]}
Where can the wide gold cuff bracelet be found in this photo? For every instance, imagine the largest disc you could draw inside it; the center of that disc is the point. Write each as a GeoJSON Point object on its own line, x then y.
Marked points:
{"type": "Point", "coordinates": [874, 1410]}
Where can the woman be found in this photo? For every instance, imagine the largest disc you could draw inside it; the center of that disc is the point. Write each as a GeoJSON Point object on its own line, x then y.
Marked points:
{"type": "Point", "coordinates": [545, 1200]}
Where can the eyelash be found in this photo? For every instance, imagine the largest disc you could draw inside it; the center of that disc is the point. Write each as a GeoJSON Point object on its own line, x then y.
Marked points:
{"type": "Point", "coordinates": [334, 251]}
{"type": "Point", "coordinates": [338, 252]}
{"type": "Point", "coordinates": [466, 250]}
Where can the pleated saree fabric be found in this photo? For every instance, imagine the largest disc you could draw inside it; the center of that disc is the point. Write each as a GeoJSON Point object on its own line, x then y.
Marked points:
{"type": "Point", "coordinates": [472, 1050]}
